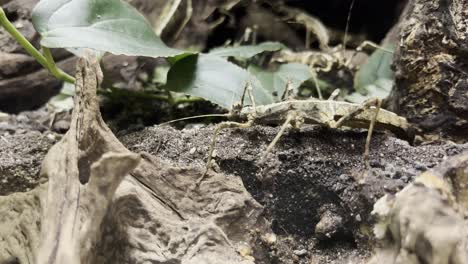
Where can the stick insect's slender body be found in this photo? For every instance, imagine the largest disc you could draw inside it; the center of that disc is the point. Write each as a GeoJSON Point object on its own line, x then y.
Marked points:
{"type": "Point", "coordinates": [327, 113]}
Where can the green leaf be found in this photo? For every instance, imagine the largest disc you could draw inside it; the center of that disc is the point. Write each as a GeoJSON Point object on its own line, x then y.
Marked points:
{"type": "Point", "coordinates": [377, 67]}
{"type": "Point", "coordinates": [246, 51]}
{"type": "Point", "coordinates": [375, 78]}
{"type": "Point", "coordinates": [275, 81]}
{"type": "Point", "coordinates": [380, 89]}
{"type": "Point", "coordinates": [214, 79]}
{"type": "Point", "coordinates": [173, 60]}
{"type": "Point", "coordinates": [103, 25]}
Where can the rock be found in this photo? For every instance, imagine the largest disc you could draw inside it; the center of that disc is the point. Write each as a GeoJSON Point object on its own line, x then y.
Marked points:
{"type": "Point", "coordinates": [330, 224]}
{"type": "Point", "coordinates": [424, 222]}
{"type": "Point", "coordinates": [300, 252]}
{"type": "Point", "coordinates": [270, 238]}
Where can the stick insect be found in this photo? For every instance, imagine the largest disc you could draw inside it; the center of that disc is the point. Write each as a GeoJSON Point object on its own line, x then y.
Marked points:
{"type": "Point", "coordinates": [328, 113]}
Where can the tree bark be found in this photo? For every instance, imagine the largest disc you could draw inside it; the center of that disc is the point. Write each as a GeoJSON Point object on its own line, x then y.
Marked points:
{"type": "Point", "coordinates": [431, 67]}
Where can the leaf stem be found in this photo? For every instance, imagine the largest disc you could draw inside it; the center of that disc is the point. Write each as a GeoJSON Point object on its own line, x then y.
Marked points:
{"type": "Point", "coordinates": [50, 65]}
{"type": "Point", "coordinates": [21, 39]}
{"type": "Point", "coordinates": [57, 72]}
{"type": "Point", "coordinates": [191, 99]}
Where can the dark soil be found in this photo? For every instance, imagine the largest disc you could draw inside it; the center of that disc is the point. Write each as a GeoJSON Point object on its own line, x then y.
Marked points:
{"type": "Point", "coordinates": [21, 155]}
{"type": "Point", "coordinates": [312, 186]}
{"type": "Point", "coordinates": [316, 193]}
{"type": "Point", "coordinates": [312, 177]}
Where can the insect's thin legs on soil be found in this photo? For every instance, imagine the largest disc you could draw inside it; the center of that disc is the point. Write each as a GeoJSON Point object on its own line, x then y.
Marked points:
{"type": "Point", "coordinates": [229, 124]}
{"type": "Point", "coordinates": [366, 105]}
{"type": "Point", "coordinates": [218, 129]}
{"type": "Point", "coordinates": [292, 118]}
{"type": "Point", "coordinates": [369, 133]}
{"type": "Point", "coordinates": [292, 115]}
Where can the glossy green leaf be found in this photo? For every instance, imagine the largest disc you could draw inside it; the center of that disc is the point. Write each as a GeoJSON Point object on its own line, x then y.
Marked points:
{"type": "Point", "coordinates": [103, 25]}
{"type": "Point", "coordinates": [380, 89]}
{"type": "Point", "coordinates": [377, 67]}
{"type": "Point", "coordinates": [275, 81]}
{"type": "Point", "coordinates": [246, 51]}
{"type": "Point", "coordinates": [214, 79]}
{"type": "Point", "coordinates": [174, 59]}
{"type": "Point", "coordinates": [375, 78]}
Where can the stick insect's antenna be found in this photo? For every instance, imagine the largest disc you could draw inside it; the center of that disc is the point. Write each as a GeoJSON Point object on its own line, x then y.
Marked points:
{"type": "Point", "coordinates": [348, 22]}
{"type": "Point", "coordinates": [241, 104]}
{"type": "Point", "coordinates": [193, 117]}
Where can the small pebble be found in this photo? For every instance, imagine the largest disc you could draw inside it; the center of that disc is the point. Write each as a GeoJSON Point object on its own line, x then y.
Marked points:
{"type": "Point", "coordinates": [358, 218]}
{"type": "Point", "coordinates": [330, 224]}
{"type": "Point", "coordinates": [344, 177]}
{"type": "Point", "coordinates": [22, 118]}
{"type": "Point", "coordinates": [270, 238]}
{"type": "Point", "coordinates": [300, 252]}
{"type": "Point", "coordinates": [246, 252]}
{"type": "Point", "coordinates": [420, 166]}
{"type": "Point", "coordinates": [192, 150]}
{"type": "Point", "coordinates": [51, 137]}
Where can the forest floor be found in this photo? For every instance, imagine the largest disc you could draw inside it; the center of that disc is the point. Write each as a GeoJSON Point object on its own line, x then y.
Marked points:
{"type": "Point", "coordinates": [313, 187]}
{"type": "Point", "coordinates": [309, 202]}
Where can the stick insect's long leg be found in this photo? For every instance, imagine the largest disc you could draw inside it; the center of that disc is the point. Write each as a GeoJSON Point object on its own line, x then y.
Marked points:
{"type": "Point", "coordinates": [361, 47]}
{"type": "Point", "coordinates": [373, 102]}
{"type": "Point", "coordinates": [288, 91]}
{"type": "Point", "coordinates": [334, 94]}
{"type": "Point", "coordinates": [317, 86]}
{"type": "Point", "coordinates": [218, 129]}
{"type": "Point", "coordinates": [290, 117]}
{"type": "Point", "coordinates": [369, 133]}
{"type": "Point", "coordinates": [366, 105]}
{"type": "Point", "coordinates": [251, 97]}
{"type": "Point", "coordinates": [229, 124]}
{"type": "Point", "coordinates": [243, 95]}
